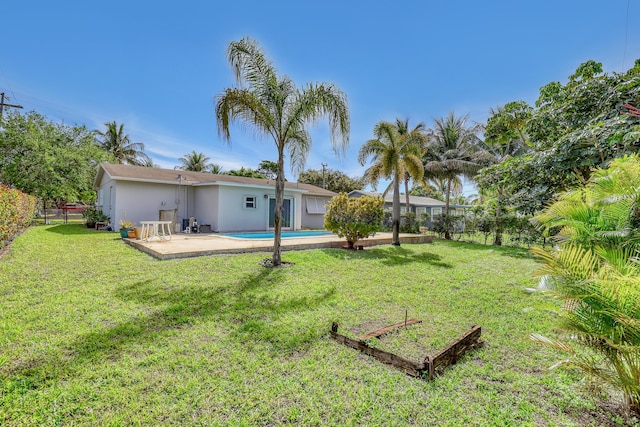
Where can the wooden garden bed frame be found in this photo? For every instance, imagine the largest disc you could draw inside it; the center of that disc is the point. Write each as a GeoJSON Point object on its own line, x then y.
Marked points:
{"type": "Point", "coordinates": [427, 368]}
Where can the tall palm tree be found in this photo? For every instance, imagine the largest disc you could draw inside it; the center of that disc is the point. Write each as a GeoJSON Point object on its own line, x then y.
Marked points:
{"type": "Point", "coordinates": [115, 141]}
{"type": "Point", "coordinates": [275, 107]}
{"type": "Point", "coordinates": [196, 162]}
{"type": "Point", "coordinates": [393, 154]}
{"type": "Point", "coordinates": [420, 140]}
{"type": "Point", "coordinates": [451, 153]}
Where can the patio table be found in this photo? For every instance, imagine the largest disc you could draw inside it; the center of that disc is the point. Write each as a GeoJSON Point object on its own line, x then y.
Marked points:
{"type": "Point", "coordinates": [159, 229]}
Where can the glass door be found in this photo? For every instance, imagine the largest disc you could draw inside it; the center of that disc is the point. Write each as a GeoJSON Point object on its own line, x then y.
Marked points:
{"type": "Point", "coordinates": [286, 213]}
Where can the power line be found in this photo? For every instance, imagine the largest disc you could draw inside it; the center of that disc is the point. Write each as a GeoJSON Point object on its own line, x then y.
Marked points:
{"type": "Point", "coordinates": [4, 104]}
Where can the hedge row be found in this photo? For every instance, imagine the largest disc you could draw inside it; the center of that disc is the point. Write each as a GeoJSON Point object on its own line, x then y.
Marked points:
{"type": "Point", "coordinates": [17, 211]}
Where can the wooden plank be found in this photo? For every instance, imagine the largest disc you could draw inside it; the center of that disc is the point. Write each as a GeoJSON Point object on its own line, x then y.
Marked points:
{"type": "Point", "coordinates": [451, 353]}
{"type": "Point", "coordinates": [382, 331]}
{"type": "Point", "coordinates": [408, 366]}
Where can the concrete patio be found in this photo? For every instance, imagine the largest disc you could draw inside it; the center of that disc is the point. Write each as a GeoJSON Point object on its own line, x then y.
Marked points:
{"type": "Point", "coordinates": [193, 245]}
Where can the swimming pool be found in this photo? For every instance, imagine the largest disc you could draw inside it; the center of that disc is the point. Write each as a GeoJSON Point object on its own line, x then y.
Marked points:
{"type": "Point", "coordinates": [284, 234]}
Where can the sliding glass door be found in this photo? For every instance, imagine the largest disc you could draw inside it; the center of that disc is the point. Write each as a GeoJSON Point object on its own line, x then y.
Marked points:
{"type": "Point", "coordinates": [287, 213]}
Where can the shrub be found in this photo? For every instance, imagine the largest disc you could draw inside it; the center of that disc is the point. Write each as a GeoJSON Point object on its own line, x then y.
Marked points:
{"type": "Point", "coordinates": [92, 215]}
{"type": "Point", "coordinates": [17, 211]}
{"type": "Point", "coordinates": [354, 218]}
{"type": "Point", "coordinates": [594, 269]}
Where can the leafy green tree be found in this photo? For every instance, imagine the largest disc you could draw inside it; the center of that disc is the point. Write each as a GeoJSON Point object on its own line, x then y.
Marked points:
{"type": "Point", "coordinates": [195, 162]}
{"type": "Point", "coordinates": [427, 190]}
{"type": "Point", "coordinates": [274, 106]}
{"type": "Point", "coordinates": [505, 137]}
{"type": "Point", "coordinates": [354, 218]}
{"type": "Point", "coordinates": [52, 161]}
{"type": "Point", "coordinates": [113, 140]}
{"type": "Point", "coordinates": [451, 153]}
{"type": "Point", "coordinates": [393, 154]}
{"type": "Point", "coordinates": [268, 169]}
{"type": "Point", "coordinates": [333, 180]}
{"type": "Point", "coordinates": [594, 269]}
{"type": "Point", "coordinates": [574, 128]}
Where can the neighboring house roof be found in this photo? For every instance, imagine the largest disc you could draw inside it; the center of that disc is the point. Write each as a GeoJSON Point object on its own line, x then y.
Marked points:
{"type": "Point", "coordinates": [414, 200]}
{"type": "Point", "coordinates": [170, 176]}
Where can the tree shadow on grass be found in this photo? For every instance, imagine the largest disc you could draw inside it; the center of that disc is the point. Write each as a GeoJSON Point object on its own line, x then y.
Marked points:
{"type": "Point", "coordinates": [73, 229]}
{"type": "Point", "coordinates": [392, 256]}
{"type": "Point", "coordinates": [253, 314]}
{"type": "Point", "coordinates": [508, 251]}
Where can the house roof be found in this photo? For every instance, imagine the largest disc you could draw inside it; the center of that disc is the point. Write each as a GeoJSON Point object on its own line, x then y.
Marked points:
{"type": "Point", "coordinates": [414, 200]}
{"type": "Point", "coordinates": [120, 172]}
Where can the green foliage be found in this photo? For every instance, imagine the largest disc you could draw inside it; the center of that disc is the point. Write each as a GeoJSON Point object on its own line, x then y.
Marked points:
{"type": "Point", "coordinates": [92, 215]}
{"type": "Point", "coordinates": [49, 160]}
{"type": "Point", "coordinates": [505, 131]}
{"type": "Point", "coordinates": [197, 162]}
{"type": "Point", "coordinates": [268, 169]}
{"type": "Point", "coordinates": [574, 128]}
{"type": "Point", "coordinates": [453, 151]}
{"type": "Point", "coordinates": [426, 191]}
{"type": "Point", "coordinates": [113, 140]}
{"type": "Point", "coordinates": [395, 154]}
{"type": "Point", "coordinates": [595, 271]}
{"type": "Point", "coordinates": [275, 107]}
{"type": "Point", "coordinates": [17, 211]}
{"type": "Point", "coordinates": [247, 172]}
{"type": "Point", "coordinates": [408, 223]}
{"type": "Point", "coordinates": [334, 180]}
{"type": "Point", "coordinates": [354, 218]}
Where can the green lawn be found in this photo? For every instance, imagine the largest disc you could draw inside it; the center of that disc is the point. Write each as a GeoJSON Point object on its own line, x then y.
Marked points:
{"type": "Point", "coordinates": [93, 332]}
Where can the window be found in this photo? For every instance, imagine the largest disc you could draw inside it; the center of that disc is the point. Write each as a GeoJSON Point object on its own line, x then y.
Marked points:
{"type": "Point", "coordinates": [315, 205]}
{"type": "Point", "coordinates": [403, 209]}
{"type": "Point", "coordinates": [436, 211]}
{"type": "Point", "coordinates": [421, 210]}
{"type": "Point", "coordinates": [250, 202]}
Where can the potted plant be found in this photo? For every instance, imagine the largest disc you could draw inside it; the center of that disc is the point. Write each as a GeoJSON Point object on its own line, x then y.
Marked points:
{"type": "Point", "coordinates": [125, 227]}
{"type": "Point", "coordinates": [92, 216]}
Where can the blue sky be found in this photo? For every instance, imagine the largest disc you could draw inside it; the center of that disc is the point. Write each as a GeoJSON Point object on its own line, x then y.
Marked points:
{"type": "Point", "coordinates": [156, 66]}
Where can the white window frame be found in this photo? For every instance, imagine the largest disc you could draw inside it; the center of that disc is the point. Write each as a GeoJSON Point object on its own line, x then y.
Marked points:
{"type": "Point", "coordinates": [249, 199]}
{"type": "Point", "coordinates": [420, 210]}
{"type": "Point", "coordinates": [436, 211]}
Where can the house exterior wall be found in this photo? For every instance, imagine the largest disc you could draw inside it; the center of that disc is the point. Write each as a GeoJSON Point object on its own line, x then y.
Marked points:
{"type": "Point", "coordinates": [233, 216]}
{"type": "Point", "coordinates": [311, 220]}
{"type": "Point", "coordinates": [206, 206]}
{"type": "Point", "coordinates": [142, 201]}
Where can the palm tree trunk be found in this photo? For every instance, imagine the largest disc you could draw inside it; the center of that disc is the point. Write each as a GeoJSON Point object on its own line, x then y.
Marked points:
{"type": "Point", "coordinates": [406, 193]}
{"type": "Point", "coordinates": [408, 202]}
{"type": "Point", "coordinates": [447, 198]}
{"type": "Point", "coordinates": [395, 218]}
{"type": "Point", "coordinates": [277, 215]}
{"type": "Point", "coordinates": [498, 239]}
{"type": "Point", "coordinates": [634, 403]}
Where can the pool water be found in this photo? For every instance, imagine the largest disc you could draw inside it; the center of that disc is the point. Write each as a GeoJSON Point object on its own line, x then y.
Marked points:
{"type": "Point", "coordinates": [284, 234]}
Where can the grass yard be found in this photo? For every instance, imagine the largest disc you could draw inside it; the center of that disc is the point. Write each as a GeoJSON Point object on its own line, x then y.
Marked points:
{"type": "Point", "coordinates": [93, 332]}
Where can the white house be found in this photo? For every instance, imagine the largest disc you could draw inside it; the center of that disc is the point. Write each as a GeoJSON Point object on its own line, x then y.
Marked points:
{"type": "Point", "coordinates": [226, 203]}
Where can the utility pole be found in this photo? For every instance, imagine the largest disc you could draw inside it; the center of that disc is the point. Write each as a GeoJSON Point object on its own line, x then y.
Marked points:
{"type": "Point", "coordinates": [3, 104]}
{"type": "Point", "coordinates": [324, 183]}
